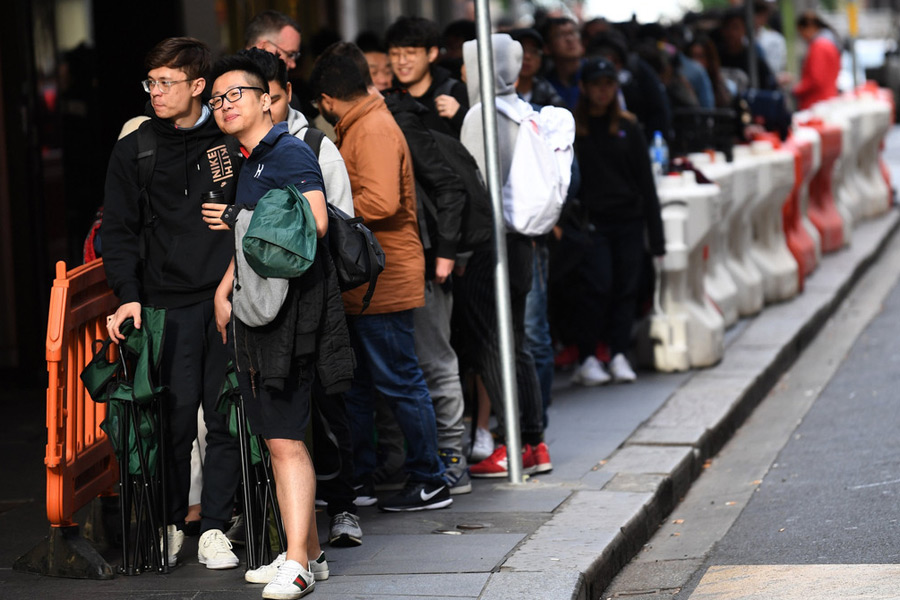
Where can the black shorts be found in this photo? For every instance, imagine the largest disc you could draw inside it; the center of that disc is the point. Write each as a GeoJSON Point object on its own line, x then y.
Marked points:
{"type": "Point", "coordinates": [281, 414]}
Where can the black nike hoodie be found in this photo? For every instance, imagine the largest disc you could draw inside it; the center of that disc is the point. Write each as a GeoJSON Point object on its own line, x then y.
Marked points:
{"type": "Point", "coordinates": [185, 259]}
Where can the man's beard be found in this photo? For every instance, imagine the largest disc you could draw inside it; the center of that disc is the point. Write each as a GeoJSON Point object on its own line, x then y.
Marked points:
{"type": "Point", "coordinates": [328, 116]}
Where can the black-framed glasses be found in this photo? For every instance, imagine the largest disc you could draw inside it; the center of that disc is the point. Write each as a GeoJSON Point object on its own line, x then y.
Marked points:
{"type": "Point", "coordinates": [294, 56]}
{"type": "Point", "coordinates": [232, 95]}
{"type": "Point", "coordinates": [161, 84]}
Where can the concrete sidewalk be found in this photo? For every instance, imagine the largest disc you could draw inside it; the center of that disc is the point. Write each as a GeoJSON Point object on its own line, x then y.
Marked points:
{"type": "Point", "coordinates": [622, 455]}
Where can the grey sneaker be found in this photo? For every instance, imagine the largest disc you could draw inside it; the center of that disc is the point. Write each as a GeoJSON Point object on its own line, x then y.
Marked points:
{"type": "Point", "coordinates": [345, 531]}
{"type": "Point", "coordinates": [214, 551]}
{"type": "Point", "coordinates": [456, 473]}
{"type": "Point", "coordinates": [176, 541]}
{"type": "Point", "coordinates": [236, 533]}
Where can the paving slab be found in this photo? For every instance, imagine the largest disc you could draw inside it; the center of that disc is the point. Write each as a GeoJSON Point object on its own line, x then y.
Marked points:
{"type": "Point", "coordinates": [430, 553]}
{"type": "Point", "coordinates": [558, 585]}
{"type": "Point", "coordinates": [580, 533]}
{"type": "Point", "coordinates": [431, 586]}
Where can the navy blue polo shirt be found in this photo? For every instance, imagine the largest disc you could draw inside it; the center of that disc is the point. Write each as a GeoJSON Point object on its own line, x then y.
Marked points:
{"type": "Point", "coordinates": [277, 161]}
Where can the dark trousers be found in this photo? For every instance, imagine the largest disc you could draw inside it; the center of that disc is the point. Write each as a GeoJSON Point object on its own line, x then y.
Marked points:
{"type": "Point", "coordinates": [476, 291]}
{"type": "Point", "coordinates": [608, 280]}
{"type": "Point", "coordinates": [333, 452]}
{"type": "Point", "coordinates": [193, 366]}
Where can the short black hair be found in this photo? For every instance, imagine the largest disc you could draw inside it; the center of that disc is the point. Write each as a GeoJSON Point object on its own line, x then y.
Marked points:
{"type": "Point", "coordinates": [271, 66]}
{"type": "Point", "coordinates": [188, 54]}
{"type": "Point", "coordinates": [266, 23]}
{"type": "Point", "coordinates": [241, 62]}
{"type": "Point", "coordinates": [338, 72]}
{"type": "Point", "coordinates": [551, 23]}
{"type": "Point", "coordinates": [368, 41]}
{"type": "Point", "coordinates": [414, 32]}
{"type": "Point", "coordinates": [463, 29]}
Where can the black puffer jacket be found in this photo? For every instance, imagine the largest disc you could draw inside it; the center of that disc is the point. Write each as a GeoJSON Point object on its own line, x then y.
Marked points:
{"type": "Point", "coordinates": [311, 323]}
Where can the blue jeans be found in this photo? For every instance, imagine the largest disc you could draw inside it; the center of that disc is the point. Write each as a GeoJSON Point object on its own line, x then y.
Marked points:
{"type": "Point", "coordinates": [537, 325]}
{"type": "Point", "coordinates": [387, 365]}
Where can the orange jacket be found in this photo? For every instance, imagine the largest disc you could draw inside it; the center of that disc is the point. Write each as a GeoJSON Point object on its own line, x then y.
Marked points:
{"type": "Point", "coordinates": [384, 195]}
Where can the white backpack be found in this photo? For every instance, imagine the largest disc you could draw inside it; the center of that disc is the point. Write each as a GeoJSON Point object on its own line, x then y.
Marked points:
{"type": "Point", "coordinates": [541, 169]}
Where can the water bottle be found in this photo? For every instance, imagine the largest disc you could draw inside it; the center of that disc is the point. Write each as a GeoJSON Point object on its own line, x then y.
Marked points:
{"type": "Point", "coordinates": [659, 156]}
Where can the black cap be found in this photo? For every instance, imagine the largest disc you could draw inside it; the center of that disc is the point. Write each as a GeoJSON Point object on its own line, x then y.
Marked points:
{"type": "Point", "coordinates": [527, 34]}
{"type": "Point", "coordinates": [597, 67]}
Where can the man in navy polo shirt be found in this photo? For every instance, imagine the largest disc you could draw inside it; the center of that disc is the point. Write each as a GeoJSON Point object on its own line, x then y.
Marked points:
{"type": "Point", "coordinates": [241, 105]}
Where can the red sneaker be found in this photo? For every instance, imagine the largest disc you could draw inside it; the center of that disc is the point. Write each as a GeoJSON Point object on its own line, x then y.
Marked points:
{"type": "Point", "coordinates": [541, 455]}
{"type": "Point", "coordinates": [497, 465]}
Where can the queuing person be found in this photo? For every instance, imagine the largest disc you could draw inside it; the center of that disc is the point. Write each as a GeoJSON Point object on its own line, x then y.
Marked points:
{"type": "Point", "coordinates": [818, 79]}
{"type": "Point", "coordinates": [329, 418]}
{"type": "Point", "coordinates": [476, 285]}
{"type": "Point", "coordinates": [176, 264]}
{"type": "Point", "coordinates": [414, 46]}
{"type": "Point", "coordinates": [537, 91]}
{"type": "Point", "coordinates": [377, 59]}
{"type": "Point", "coordinates": [771, 41]}
{"type": "Point", "coordinates": [277, 33]}
{"type": "Point", "coordinates": [277, 370]}
{"type": "Point", "coordinates": [734, 51]}
{"type": "Point", "coordinates": [621, 210]}
{"type": "Point", "coordinates": [702, 50]}
{"type": "Point", "coordinates": [530, 85]}
{"type": "Point", "coordinates": [380, 168]}
{"type": "Point", "coordinates": [562, 44]}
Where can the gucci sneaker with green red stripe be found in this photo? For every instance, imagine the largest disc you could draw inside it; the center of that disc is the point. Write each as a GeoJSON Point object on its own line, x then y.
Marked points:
{"type": "Point", "coordinates": [291, 581]}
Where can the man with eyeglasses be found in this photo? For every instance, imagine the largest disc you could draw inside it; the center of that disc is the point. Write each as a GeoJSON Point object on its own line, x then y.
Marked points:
{"type": "Point", "coordinates": [279, 363]}
{"type": "Point", "coordinates": [159, 251]}
{"type": "Point", "coordinates": [276, 33]}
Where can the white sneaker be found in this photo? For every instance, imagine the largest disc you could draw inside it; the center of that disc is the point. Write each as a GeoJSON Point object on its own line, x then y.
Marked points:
{"type": "Point", "coordinates": [483, 446]}
{"type": "Point", "coordinates": [590, 373]}
{"type": "Point", "coordinates": [214, 551]}
{"type": "Point", "coordinates": [291, 581]}
{"type": "Point", "coordinates": [319, 568]}
{"type": "Point", "coordinates": [265, 573]}
{"type": "Point", "coordinates": [621, 370]}
{"type": "Point", "coordinates": [176, 541]}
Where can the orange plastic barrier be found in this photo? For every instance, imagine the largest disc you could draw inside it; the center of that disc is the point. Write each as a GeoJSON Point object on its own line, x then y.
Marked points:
{"type": "Point", "coordinates": [872, 87]}
{"type": "Point", "coordinates": [80, 461]}
{"type": "Point", "coordinates": [822, 210]}
{"type": "Point", "coordinates": [799, 242]}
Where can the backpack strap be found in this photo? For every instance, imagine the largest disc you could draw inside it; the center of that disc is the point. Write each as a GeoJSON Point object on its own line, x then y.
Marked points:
{"type": "Point", "coordinates": [445, 87]}
{"type": "Point", "coordinates": [146, 159]}
{"type": "Point", "coordinates": [313, 137]}
{"type": "Point", "coordinates": [373, 276]}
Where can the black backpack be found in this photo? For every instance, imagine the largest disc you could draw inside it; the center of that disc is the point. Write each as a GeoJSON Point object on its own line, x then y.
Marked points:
{"type": "Point", "coordinates": [358, 257]}
{"type": "Point", "coordinates": [477, 226]}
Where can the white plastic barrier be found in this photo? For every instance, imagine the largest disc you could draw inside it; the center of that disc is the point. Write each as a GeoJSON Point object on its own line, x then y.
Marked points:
{"type": "Point", "coordinates": [859, 185]}
{"type": "Point", "coordinates": [720, 285]}
{"type": "Point", "coordinates": [769, 249]}
{"type": "Point", "coordinates": [812, 136]}
{"type": "Point", "coordinates": [876, 121]}
{"type": "Point", "coordinates": [743, 270]}
{"type": "Point", "coordinates": [687, 329]}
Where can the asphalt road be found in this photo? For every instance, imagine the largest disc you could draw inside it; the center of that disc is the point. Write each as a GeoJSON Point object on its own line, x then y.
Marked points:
{"type": "Point", "coordinates": [803, 501]}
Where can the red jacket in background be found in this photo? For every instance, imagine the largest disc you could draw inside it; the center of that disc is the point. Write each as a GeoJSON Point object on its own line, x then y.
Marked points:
{"type": "Point", "coordinates": [818, 81]}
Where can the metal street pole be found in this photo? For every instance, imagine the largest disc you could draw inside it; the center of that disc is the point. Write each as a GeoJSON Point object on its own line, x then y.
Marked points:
{"type": "Point", "coordinates": [501, 269]}
{"type": "Point", "coordinates": [853, 26]}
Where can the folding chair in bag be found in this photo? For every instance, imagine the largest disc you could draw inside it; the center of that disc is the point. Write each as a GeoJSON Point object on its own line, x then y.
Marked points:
{"type": "Point", "coordinates": [263, 527]}
{"type": "Point", "coordinates": [125, 376]}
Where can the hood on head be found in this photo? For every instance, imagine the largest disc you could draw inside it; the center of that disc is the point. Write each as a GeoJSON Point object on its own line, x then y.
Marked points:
{"type": "Point", "coordinates": [507, 64]}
